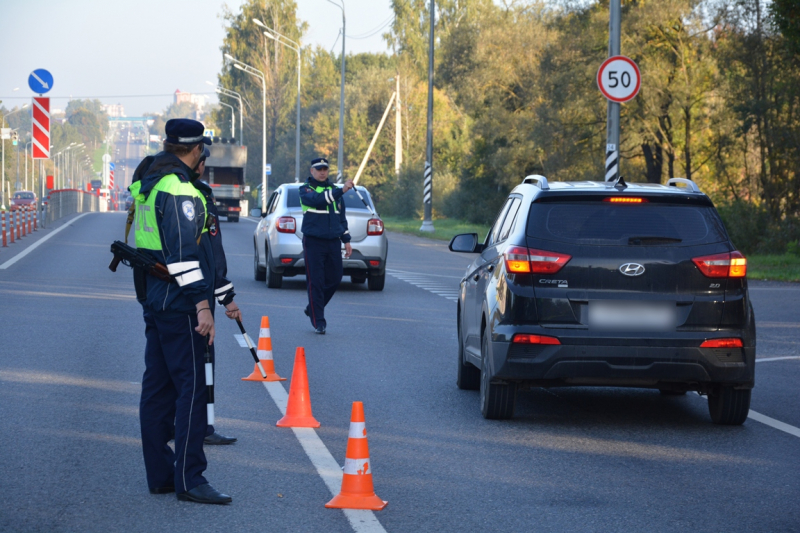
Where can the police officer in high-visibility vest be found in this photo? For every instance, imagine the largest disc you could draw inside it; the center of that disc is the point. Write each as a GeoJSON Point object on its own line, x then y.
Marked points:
{"type": "Point", "coordinates": [170, 225]}
{"type": "Point", "coordinates": [324, 230]}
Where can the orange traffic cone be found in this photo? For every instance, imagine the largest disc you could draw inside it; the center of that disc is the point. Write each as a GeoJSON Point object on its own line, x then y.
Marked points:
{"type": "Point", "coordinates": [298, 408]}
{"type": "Point", "coordinates": [357, 491]}
{"type": "Point", "coordinates": [264, 356]}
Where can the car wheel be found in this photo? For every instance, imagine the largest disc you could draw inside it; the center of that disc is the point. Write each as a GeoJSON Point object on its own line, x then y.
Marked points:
{"type": "Point", "coordinates": [358, 280]}
{"type": "Point", "coordinates": [729, 406]}
{"type": "Point", "coordinates": [376, 283]}
{"type": "Point", "coordinates": [274, 280]}
{"type": "Point", "coordinates": [497, 400]}
{"type": "Point", "coordinates": [259, 273]}
{"type": "Point", "coordinates": [469, 377]}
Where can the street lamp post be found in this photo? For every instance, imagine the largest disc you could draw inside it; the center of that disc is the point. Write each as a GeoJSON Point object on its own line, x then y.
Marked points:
{"type": "Point", "coordinates": [233, 119]}
{"type": "Point", "coordinates": [340, 162]}
{"type": "Point", "coordinates": [3, 159]}
{"type": "Point", "coordinates": [26, 166]}
{"type": "Point", "coordinates": [275, 36]}
{"type": "Point", "coordinates": [258, 74]}
{"type": "Point", "coordinates": [233, 94]}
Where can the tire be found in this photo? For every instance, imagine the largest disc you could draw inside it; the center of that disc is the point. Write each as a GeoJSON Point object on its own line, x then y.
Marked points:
{"type": "Point", "coordinates": [259, 273]}
{"type": "Point", "coordinates": [376, 283]}
{"type": "Point", "coordinates": [358, 280]}
{"type": "Point", "coordinates": [274, 280]}
{"type": "Point", "coordinates": [469, 377]}
{"type": "Point", "coordinates": [728, 406]}
{"type": "Point", "coordinates": [497, 400]}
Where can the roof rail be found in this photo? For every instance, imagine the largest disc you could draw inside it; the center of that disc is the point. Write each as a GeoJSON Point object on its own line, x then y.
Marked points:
{"type": "Point", "coordinates": [692, 186]}
{"type": "Point", "coordinates": [539, 181]}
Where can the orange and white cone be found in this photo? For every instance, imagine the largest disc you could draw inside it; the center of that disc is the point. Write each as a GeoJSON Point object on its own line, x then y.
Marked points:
{"type": "Point", "coordinates": [357, 491]}
{"type": "Point", "coordinates": [298, 408]}
{"type": "Point", "coordinates": [264, 353]}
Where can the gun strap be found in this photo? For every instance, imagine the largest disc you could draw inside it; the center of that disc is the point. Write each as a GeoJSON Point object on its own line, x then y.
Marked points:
{"type": "Point", "coordinates": [129, 222]}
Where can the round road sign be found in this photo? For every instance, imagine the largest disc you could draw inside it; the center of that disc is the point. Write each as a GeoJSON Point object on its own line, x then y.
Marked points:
{"type": "Point", "coordinates": [40, 81]}
{"type": "Point", "coordinates": [619, 79]}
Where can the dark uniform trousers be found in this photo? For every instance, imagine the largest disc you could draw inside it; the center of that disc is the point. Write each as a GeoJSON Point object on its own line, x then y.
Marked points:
{"type": "Point", "coordinates": [173, 402]}
{"type": "Point", "coordinates": [323, 258]}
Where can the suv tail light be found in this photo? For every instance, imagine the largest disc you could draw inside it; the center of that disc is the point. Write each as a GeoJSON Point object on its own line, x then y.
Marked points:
{"type": "Point", "coordinates": [524, 338]}
{"type": "Point", "coordinates": [521, 260]}
{"type": "Point", "coordinates": [727, 265]}
{"type": "Point", "coordinates": [286, 225]}
{"type": "Point", "coordinates": [375, 226]}
{"type": "Point", "coordinates": [723, 343]}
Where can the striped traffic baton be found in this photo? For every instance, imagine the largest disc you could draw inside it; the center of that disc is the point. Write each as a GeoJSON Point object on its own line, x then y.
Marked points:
{"type": "Point", "coordinates": [210, 385]}
{"type": "Point", "coordinates": [252, 348]}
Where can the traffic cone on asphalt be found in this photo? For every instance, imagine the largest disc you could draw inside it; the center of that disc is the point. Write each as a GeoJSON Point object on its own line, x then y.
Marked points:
{"type": "Point", "coordinates": [264, 352]}
{"type": "Point", "coordinates": [298, 408]}
{"type": "Point", "coordinates": [357, 491]}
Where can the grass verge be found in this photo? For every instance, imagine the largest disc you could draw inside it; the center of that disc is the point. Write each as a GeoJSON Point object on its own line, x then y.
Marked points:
{"type": "Point", "coordinates": [784, 267]}
{"type": "Point", "coordinates": [445, 228]}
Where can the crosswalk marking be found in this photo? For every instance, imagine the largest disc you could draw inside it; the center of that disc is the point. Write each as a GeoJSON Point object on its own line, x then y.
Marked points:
{"type": "Point", "coordinates": [440, 288]}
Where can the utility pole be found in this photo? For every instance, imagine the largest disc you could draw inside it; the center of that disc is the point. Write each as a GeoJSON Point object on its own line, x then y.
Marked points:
{"type": "Point", "coordinates": [427, 190]}
{"type": "Point", "coordinates": [612, 123]}
{"type": "Point", "coordinates": [398, 130]}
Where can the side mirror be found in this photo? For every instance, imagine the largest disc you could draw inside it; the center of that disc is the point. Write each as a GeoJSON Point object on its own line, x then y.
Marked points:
{"type": "Point", "coordinates": [466, 243]}
{"type": "Point", "coordinates": [255, 212]}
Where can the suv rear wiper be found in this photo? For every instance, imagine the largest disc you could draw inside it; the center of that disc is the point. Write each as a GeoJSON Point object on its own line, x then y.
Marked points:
{"type": "Point", "coordinates": [652, 240]}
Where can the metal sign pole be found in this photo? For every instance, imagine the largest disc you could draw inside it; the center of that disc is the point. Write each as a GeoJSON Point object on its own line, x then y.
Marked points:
{"type": "Point", "coordinates": [612, 124]}
{"type": "Point", "coordinates": [427, 188]}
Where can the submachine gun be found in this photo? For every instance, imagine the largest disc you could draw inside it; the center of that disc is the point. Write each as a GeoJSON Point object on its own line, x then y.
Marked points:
{"type": "Point", "coordinates": [130, 256]}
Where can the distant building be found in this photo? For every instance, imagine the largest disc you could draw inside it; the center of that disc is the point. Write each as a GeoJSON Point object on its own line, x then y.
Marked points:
{"type": "Point", "coordinates": [200, 101]}
{"type": "Point", "coordinates": [114, 110]}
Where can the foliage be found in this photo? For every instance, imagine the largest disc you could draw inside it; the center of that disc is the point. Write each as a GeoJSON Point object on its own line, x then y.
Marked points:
{"type": "Point", "coordinates": [515, 94]}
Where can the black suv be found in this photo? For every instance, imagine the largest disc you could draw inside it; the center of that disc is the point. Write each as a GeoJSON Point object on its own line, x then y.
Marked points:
{"type": "Point", "coordinates": [606, 284]}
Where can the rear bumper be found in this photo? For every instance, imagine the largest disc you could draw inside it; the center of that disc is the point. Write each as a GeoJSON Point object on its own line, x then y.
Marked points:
{"type": "Point", "coordinates": [679, 367]}
{"type": "Point", "coordinates": [357, 264]}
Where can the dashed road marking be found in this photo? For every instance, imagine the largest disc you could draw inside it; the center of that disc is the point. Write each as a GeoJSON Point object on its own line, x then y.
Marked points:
{"type": "Point", "coordinates": [424, 282]}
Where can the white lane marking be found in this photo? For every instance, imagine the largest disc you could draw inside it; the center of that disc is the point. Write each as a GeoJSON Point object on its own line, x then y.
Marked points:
{"type": "Point", "coordinates": [328, 469]}
{"type": "Point", "coordinates": [785, 358]}
{"type": "Point", "coordinates": [249, 220]}
{"type": "Point", "coordinates": [777, 424]}
{"type": "Point", "coordinates": [422, 281]}
{"type": "Point", "coordinates": [240, 339]}
{"type": "Point", "coordinates": [33, 246]}
{"type": "Point", "coordinates": [414, 274]}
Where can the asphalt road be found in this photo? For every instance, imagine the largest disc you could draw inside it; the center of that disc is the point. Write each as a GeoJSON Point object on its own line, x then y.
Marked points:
{"type": "Point", "coordinates": [580, 459]}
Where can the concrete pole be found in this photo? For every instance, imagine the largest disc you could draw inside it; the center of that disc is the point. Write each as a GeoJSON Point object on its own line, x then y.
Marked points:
{"type": "Point", "coordinates": [297, 134]}
{"type": "Point", "coordinates": [340, 157]}
{"type": "Point", "coordinates": [612, 123]}
{"type": "Point", "coordinates": [427, 190]}
{"type": "Point", "coordinates": [398, 129]}
{"type": "Point", "coordinates": [233, 119]}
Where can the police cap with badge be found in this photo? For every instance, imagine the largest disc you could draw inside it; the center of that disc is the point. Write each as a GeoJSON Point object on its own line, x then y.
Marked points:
{"type": "Point", "coordinates": [185, 131]}
{"type": "Point", "coordinates": [319, 163]}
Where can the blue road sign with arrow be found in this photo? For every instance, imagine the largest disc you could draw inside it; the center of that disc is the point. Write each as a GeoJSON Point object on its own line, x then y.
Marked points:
{"type": "Point", "coordinates": [40, 81]}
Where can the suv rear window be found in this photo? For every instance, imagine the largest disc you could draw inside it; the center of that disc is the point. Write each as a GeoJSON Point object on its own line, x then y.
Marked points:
{"type": "Point", "coordinates": [351, 199]}
{"type": "Point", "coordinates": [613, 224]}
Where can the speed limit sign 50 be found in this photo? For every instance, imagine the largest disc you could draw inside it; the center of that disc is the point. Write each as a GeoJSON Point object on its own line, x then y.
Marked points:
{"type": "Point", "coordinates": [619, 79]}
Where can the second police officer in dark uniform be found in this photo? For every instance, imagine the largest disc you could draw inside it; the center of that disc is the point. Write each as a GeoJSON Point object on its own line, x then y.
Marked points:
{"type": "Point", "coordinates": [170, 222]}
{"type": "Point", "coordinates": [324, 230]}
{"type": "Point", "coordinates": [223, 287]}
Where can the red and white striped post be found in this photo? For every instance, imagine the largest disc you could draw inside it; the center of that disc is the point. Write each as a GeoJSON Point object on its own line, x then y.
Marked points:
{"type": "Point", "coordinates": [17, 224]}
{"type": "Point", "coordinates": [23, 215]}
{"type": "Point", "coordinates": [11, 225]}
{"type": "Point", "coordinates": [30, 220]}
{"type": "Point", "coordinates": [35, 219]}
{"type": "Point", "coordinates": [5, 242]}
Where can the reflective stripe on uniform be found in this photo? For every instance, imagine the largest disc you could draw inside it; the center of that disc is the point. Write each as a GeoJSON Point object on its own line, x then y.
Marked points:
{"type": "Point", "coordinates": [318, 211]}
{"type": "Point", "coordinates": [185, 266]}
{"type": "Point", "coordinates": [357, 467]}
{"type": "Point", "coordinates": [223, 290]}
{"type": "Point", "coordinates": [189, 277]}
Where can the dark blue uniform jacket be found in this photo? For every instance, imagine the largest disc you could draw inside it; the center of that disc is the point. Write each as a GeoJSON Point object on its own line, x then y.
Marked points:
{"type": "Point", "coordinates": [178, 236]}
{"type": "Point", "coordinates": [325, 218]}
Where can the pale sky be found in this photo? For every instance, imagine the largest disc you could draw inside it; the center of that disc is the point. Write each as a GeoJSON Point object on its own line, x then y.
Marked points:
{"type": "Point", "coordinates": [109, 49]}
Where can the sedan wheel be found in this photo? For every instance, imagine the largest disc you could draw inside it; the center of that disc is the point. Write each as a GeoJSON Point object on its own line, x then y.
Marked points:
{"type": "Point", "coordinates": [469, 377]}
{"type": "Point", "coordinates": [259, 273]}
{"type": "Point", "coordinates": [728, 406]}
{"type": "Point", "coordinates": [274, 280]}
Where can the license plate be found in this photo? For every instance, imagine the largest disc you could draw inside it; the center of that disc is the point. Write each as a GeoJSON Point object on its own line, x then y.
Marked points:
{"type": "Point", "coordinates": [628, 315]}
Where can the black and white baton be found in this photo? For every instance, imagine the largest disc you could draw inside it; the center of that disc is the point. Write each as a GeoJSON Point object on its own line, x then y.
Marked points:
{"type": "Point", "coordinates": [252, 349]}
{"type": "Point", "coordinates": [210, 385]}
